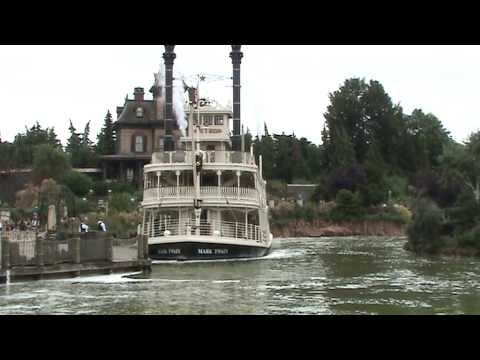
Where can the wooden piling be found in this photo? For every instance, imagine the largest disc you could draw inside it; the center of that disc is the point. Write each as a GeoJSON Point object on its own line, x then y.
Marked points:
{"type": "Point", "coordinates": [109, 248]}
{"type": "Point", "coordinates": [76, 249]}
{"type": "Point", "coordinates": [39, 250]}
{"type": "Point", "coordinates": [5, 253]}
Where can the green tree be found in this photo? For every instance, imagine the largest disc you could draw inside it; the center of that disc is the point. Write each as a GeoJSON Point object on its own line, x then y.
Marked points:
{"type": "Point", "coordinates": [80, 148]}
{"type": "Point", "coordinates": [429, 138]}
{"type": "Point", "coordinates": [25, 144]}
{"type": "Point", "coordinates": [78, 183]}
{"type": "Point", "coordinates": [49, 162]}
{"type": "Point", "coordinates": [74, 144]}
{"type": "Point", "coordinates": [106, 139]}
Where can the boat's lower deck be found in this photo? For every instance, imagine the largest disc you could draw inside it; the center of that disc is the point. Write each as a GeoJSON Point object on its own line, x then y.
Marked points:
{"type": "Point", "coordinates": [196, 250]}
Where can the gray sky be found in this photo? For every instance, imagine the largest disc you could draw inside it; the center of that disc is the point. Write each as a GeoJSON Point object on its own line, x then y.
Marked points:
{"type": "Point", "coordinates": [285, 86]}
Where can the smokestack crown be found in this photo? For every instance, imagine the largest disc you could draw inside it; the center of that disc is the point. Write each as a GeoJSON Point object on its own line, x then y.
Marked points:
{"type": "Point", "coordinates": [139, 94]}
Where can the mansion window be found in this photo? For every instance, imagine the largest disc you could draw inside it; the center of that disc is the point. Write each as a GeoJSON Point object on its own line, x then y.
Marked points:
{"type": "Point", "coordinates": [139, 112]}
{"type": "Point", "coordinates": [139, 144]}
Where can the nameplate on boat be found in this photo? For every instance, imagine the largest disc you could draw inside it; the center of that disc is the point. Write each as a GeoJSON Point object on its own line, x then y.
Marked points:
{"type": "Point", "coordinates": [212, 251]}
{"type": "Point", "coordinates": [168, 251]}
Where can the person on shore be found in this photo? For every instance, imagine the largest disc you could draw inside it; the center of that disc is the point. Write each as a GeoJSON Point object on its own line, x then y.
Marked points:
{"type": "Point", "coordinates": [83, 227]}
{"type": "Point", "coordinates": [101, 226]}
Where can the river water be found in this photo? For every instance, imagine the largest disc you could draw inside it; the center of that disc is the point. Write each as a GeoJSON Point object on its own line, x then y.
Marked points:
{"type": "Point", "coordinates": [300, 276]}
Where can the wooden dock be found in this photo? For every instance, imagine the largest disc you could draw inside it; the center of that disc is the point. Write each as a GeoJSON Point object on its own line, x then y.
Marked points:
{"type": "Point", "coordinates": [29, 258]}
{"type": "Point", "coordinates": [59, 271]}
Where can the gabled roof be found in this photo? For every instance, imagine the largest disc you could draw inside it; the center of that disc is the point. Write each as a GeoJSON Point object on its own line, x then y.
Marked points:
{"type": "Point", "coordinates": [129, 113]}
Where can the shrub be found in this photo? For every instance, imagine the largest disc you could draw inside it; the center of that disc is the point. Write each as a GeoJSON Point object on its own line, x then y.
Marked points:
{"type": "Point", "coordinates": [347, 206]}
{"type": "Point", "coordinates": [100, 188]}
{"type": "Point", "coordinates": [79, 183]}
{"type": "Point", "coordinates": [49, 162]}
{"type": "Point", "coordinates": [398, 186]}
{"type": "Point", "coordinates": [122, 187]}
{"type": "Point", "coordinates": [470, 238]}
{"type": "Point", "coordinates": [122, 202]}
{"type": "Point", "coordinates": [424, 233]}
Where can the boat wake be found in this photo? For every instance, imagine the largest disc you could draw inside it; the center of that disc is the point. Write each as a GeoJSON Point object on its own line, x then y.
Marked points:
{"type": "Point", "coordinates": [108, 279]}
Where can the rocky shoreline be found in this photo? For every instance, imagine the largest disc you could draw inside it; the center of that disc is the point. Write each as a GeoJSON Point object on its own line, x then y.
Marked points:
{"type": "Point", "coordinates": [317, 228]}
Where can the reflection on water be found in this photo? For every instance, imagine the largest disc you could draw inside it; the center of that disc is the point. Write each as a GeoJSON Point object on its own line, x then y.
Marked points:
{"type": "Point", "coordinates": [301, 276]}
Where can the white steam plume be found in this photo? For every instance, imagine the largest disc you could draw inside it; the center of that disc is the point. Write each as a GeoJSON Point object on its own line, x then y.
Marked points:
{"type": "Point", "coordinates": [179, 103]}
{"type": "Point", "coordinates": [178, 95]}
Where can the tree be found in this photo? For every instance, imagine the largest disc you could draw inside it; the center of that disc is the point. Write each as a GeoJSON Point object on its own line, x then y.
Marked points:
{"type": "Point", "coordinates": [49, 162]}
{"type": "Point", "coordinates": [25, 144]}
{"type": "Point", "coordinates": [80, 148]}
{"type": "Point", "coordinates": [74, 144]}
{"type": "Point", "coordinates": [78, 183]}
{"type": "Point", "coordinates": [106, 139]}
{"type": "Point", "coordinates": [429, 138]}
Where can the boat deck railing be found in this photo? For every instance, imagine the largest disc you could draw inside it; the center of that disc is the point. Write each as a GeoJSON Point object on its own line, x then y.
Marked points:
{"type": "Point", "coordinates": [187, 192]}
{"type": "Point", "coordinates": [214, 228]}
{"type": "Point", "coordinates": [210, 157]}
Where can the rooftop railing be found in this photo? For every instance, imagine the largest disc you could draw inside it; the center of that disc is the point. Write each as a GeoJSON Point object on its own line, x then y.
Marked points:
{"type": "Point", "coordinates": [206, 192]}
{"type": "Point", "coordinates": [210, 157]}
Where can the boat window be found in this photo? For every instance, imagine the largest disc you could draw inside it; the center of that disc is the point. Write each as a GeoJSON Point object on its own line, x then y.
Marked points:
{"type": "Point", "coordinates": [218, 119]}
{"type": "Point", "coordinates": [207, 120]}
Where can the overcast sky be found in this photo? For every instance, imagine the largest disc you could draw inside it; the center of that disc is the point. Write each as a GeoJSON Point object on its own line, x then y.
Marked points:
{"type": "Point", "coordinates": [285, 86]}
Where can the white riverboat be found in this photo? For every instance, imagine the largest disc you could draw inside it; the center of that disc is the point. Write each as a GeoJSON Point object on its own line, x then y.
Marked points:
{"type": "Point", "coordinates": [207, 199]}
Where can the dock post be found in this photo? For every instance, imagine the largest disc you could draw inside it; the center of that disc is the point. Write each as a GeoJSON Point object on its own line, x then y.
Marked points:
{"type": "Point", "coordinates": [140, 247]}
{"type": "Point", "coordinates": [5, 253]}
{"type": "Point", "coordinates": [39, 251]}
{"type": "Point", "coordinates": [145, 247]}
{"type": "Point", "coordinates": [76, 250]}
{"type": "Point", "coordinates": [109, 248]}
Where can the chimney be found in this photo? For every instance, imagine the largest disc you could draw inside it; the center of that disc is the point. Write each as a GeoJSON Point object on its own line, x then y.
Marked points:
{"type": "Point", "coordinates": [236, 56]}
{"type": "Point", "coordinates": [139, 94]}
{"type": "Point", "coordinates": [119, 111]}
{"type": "Point", "coordinates": [169, 57]}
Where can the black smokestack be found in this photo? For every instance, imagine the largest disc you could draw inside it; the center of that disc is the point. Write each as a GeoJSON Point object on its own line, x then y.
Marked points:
{"type": "Point", "coordinates": [236, 56]}
{"type": "Point", "coordinates": [169, 57]}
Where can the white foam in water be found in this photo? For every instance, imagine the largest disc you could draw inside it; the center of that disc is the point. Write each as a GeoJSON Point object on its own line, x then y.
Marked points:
{"type": "Point", "coordinates": [107, 279]}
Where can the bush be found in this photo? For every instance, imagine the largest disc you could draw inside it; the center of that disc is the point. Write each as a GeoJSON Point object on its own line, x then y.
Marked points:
{"type": "Point", "coordinates": [398, 186]}
{"type": "Point", "coordinates": [100, 188]}
{"type": "Point", "coordinates": [349, 178]}
{"type": "Point", "coordinates": [424, 233]}
{"type": "Point", "coordinates": [49, 163]}
{"type": "Point", "coordinates": [79, 183]}
{"type": "Point", "coordinates": [80, 207]}
{"type": "Point", "coordinates": [347, 206]}
{"type": "Point", "coordinates": [122, 203]}
{"type": "Point", "coordinates": [277, 188]}
{"type": "Point", "coordinates": [470, 238]}
{"type": "Point", "coordinates": [122, 187]}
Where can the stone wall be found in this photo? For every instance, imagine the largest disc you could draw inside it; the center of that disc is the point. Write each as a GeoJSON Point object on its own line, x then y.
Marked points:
{"type": "Point", "coordinates": [301, 228]}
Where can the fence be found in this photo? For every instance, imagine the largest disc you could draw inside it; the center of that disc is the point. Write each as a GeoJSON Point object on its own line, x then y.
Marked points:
{"type": "Point", "coordinates": [28, 248]}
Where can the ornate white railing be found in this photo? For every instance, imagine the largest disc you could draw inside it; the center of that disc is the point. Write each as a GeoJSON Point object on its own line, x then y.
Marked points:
{"type": "Point", "coordinates": [227, 229]}
{"type": "Point", "coordinates": [206, 192]}
{"type": "Point", "coordinates": [210, 157]}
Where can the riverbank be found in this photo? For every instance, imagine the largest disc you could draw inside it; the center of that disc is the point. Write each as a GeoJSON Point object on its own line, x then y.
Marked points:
{"type": "Point", "coordinates": [317, 228]}
{"type": "Point", "coordinates": [451, 251]}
